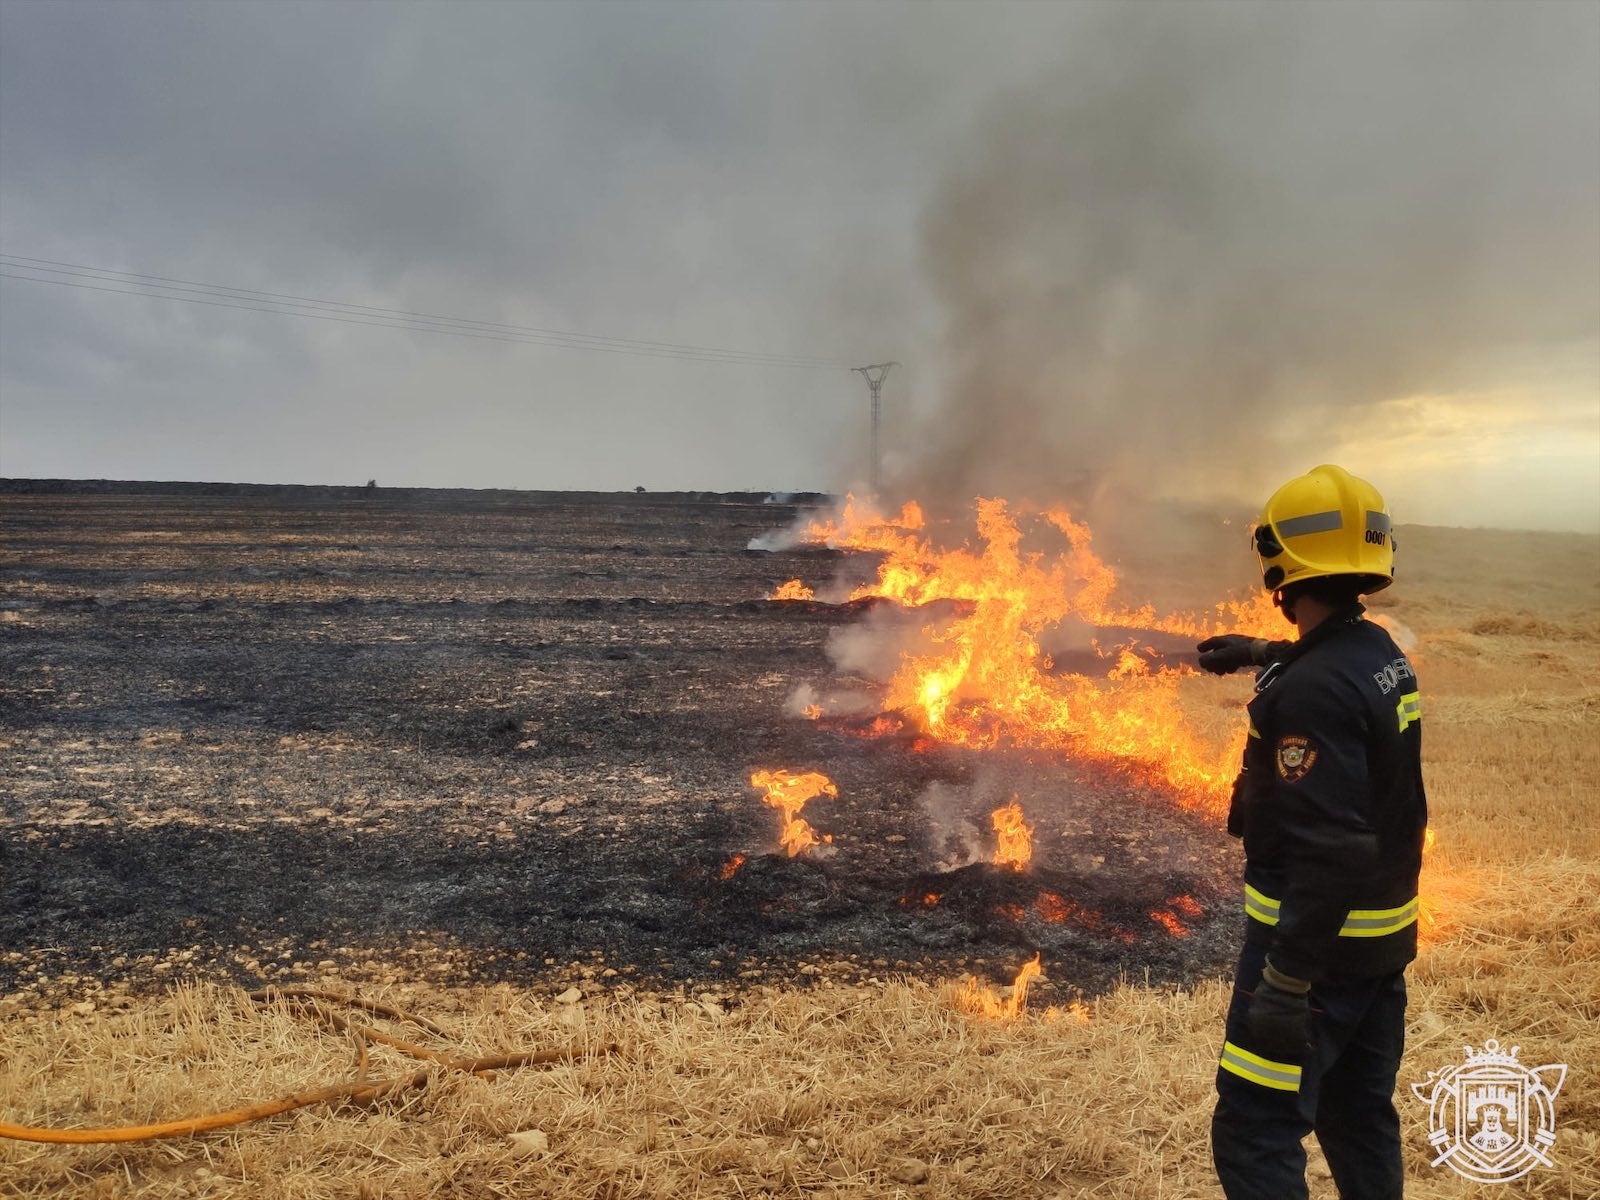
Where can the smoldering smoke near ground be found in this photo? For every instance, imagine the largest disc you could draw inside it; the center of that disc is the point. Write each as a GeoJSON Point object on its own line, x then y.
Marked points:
{"type": "Point", "coordinates": [1216, 237]}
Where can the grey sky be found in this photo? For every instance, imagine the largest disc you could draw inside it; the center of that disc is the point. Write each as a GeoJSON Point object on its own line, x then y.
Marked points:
{"type": "Point", "coordinates": [1126, 239]}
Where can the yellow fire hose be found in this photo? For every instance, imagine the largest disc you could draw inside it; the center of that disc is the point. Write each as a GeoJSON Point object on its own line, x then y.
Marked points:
{"type": "Point", "coordinates": [359, 1090]}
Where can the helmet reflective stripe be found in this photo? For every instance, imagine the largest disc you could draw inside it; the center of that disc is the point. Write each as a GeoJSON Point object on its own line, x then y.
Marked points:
{"type": "Point", "coordinates": [1320, 522]}
{"type": "Point", "coordinates": [1281, 1075]}
{"type": "Point", "coordinates": [1324, 523]}
{"type": "Point", "coordinates": [1359, 922]}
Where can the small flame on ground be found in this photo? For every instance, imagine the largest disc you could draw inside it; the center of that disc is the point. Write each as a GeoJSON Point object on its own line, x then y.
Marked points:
{"type": "Point", "coordinates": [788, 791]}
{"type": "Point", "coordinates": [793, 589]}
{"type": "Point", "coordinates": [731, 867]}
{"type": "Point", "coordinates": [1446, 888]}
{"type": "Point", "coordinates": [812, 712]}
{"type": "Point", "coordinates": [982, 1000]}
{"type": "Point", "coordinates": [1014, 837]}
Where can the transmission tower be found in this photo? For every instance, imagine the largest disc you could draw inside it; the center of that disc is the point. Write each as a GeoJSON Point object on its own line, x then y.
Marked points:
{"type": "Point", "coordinates": [875, 375]}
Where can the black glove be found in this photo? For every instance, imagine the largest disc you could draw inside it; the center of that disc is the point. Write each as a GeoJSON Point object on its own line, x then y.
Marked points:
{"type": "Point", "coordinates": [1279, 1017]}
{"type": "Point", "coordinates": [1228, 652]}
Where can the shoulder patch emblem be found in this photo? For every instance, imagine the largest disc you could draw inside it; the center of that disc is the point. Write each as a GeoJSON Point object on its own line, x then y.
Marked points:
{"type": "Point", "coordinates": [1296, 756]}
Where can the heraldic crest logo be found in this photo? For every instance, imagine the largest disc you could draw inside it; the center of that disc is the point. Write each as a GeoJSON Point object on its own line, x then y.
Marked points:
{"type": "Point", "coordinates": [1492, 1119]}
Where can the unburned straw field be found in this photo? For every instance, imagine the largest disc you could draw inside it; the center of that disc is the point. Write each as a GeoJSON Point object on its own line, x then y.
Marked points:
{"type": "Point", "coordinates": [485, 758]}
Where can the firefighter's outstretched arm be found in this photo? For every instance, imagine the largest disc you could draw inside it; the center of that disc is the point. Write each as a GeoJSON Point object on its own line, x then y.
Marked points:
{"type": "Point", "coordinates": [1229, 652]}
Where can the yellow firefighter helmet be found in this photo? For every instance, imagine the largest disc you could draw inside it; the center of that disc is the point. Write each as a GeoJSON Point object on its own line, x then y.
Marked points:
{"type": "Point", "coordinates": [1326, 522]}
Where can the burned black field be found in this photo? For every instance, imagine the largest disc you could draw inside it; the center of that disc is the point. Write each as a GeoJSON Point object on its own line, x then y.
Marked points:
{"type": "Point", "coordinates": [257, 734]}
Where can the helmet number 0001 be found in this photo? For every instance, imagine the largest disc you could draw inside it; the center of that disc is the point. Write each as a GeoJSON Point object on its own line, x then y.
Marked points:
{"type": "Point", "coordinates": [1376, 537]}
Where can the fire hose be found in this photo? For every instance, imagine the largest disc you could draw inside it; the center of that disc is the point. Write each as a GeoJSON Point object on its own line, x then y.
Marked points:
{"type": "Point", "coordinates": [313, 1003]}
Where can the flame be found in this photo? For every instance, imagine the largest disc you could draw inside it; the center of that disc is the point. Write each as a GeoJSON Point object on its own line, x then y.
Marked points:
{"type": "Point", "coordinates": [731, 867]}
{"type": "Point", "coordinates": [1014, 837]}
{"type": "Point", "coordinates": [788, 792]}
{"type": "Point", "coordinates": [981, 1000]}
{"type": "Point", "coordinates": [812, 712]}
{"type": "Point", "coordinates": [794, 589]}
{"type": "Point", "coordinates": [860, 526]}
{"type": "Point", "coordinates": [984, 679]}
{"type": "Point", "coordinates": [1445, 889]}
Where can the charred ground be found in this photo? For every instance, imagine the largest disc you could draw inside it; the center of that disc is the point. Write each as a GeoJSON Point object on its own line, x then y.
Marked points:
{"type": "Point", "coordinates": [248, 733]}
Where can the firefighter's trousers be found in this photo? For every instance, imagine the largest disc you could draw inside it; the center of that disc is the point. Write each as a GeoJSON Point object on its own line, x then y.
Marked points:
{"type": "Point", "coordinates": [1343, 1091]}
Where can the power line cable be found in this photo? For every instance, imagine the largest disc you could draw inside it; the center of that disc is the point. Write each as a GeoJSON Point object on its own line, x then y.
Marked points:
{"type": "Point", "coordinates": [132, 278]}
{"type": "Point", "coordinates": [224, 296]}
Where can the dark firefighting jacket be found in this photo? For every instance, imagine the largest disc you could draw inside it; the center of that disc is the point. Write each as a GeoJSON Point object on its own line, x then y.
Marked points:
{"type": "Point", "coordinates": [1331, 806]}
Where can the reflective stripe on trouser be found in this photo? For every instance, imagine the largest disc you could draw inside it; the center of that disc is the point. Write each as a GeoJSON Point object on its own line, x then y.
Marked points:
{"type": "Point", "coordinates": [1346, 1094]}
{"type": "Point", "coordinates": [1281, 1075]}
{"type": "Point", "coordinates": [1360, 922]}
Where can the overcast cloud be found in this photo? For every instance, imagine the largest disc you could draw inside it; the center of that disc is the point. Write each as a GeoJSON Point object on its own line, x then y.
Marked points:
{"type": "Point", "coordinates": [1169, 247]}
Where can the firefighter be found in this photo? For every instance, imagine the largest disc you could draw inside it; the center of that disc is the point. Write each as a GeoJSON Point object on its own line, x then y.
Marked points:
{"type": "Point", "coordinates": [1330, 805]}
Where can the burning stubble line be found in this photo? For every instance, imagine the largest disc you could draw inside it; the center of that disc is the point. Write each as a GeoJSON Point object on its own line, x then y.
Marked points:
{"type": "Point", "coordinates": [977, 674]}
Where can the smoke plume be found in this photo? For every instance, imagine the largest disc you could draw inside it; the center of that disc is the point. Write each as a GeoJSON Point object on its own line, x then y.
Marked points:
{"type": "Point", "coordinates": [1209, 248]}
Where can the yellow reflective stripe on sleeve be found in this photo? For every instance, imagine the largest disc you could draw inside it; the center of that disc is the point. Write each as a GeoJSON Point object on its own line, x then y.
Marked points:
{"type": "Point", "coordinates": [1360, 922]}
{"type": "Point", "coordinates": [1376, 922]}
{"type": "Point", "coordinates": [1262, 907]}
{"type": "Point", "coordinates": [1283, 1076]}
{"type": "Point", "coordinates": [1409, 710]}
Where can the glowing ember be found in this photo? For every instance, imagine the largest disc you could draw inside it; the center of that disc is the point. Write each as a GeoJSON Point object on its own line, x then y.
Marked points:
{"type": "Point", "coordinates": [981, 1000]}
{"type": "Point", "coordinates": [1014, 837]}
{"type": "Point", "coordinates": [788, 792]}
{"type": "Point", "coordinates": [1169, 921]}
{"type": "Point", "coordinates": [794, 589]}
{"type": "Point", "coordinates": [812, 712]}
{"type": "Point", "coordinates": [731, 867]}
{"type": "Point", "coordinates": [1054, 908]}
{"type": "Point", "coordinates": [986, 681]}
{"type": "Point", "coordinates": [1187, 905]}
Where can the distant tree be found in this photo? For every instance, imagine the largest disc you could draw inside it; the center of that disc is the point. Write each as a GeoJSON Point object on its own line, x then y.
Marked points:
{"type": "Point", "coordinates": [639, 490]}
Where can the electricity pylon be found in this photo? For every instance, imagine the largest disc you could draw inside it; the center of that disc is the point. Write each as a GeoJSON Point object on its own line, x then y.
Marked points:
{"type": "Point", "coordinates": [875, 375]}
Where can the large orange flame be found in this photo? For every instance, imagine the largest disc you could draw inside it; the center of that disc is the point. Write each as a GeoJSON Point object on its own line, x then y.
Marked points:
{"type": "Point", "coordinates": [986, 681]}
{"type": "Point", "coordinates": [1013, 837]}
{"type": "Point", "coordinates": [788, 791]}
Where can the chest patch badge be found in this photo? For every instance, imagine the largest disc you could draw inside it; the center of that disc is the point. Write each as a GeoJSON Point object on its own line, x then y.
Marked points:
{"type": "Point", "coordinates": [1296, 757]}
